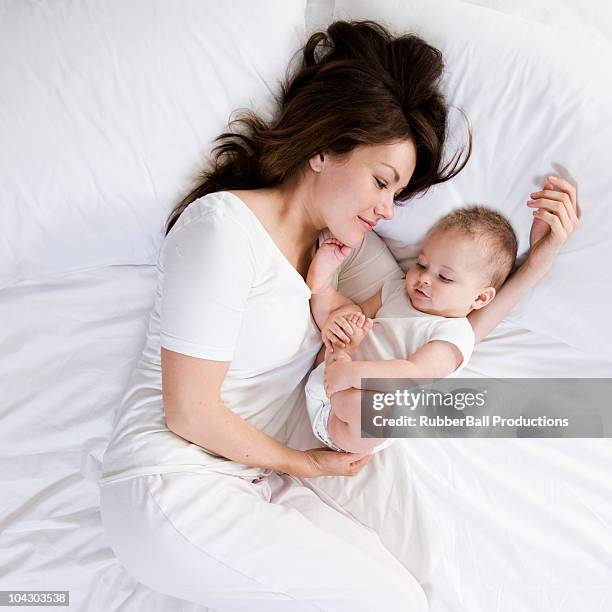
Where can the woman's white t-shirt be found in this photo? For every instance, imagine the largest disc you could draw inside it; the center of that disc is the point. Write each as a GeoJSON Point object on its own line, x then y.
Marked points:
{"type": "Point", "coordinates": [225, 292]}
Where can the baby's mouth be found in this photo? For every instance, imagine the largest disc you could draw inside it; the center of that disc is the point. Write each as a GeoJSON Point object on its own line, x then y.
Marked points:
{"type": "Point", "coordinates": [420, 293]}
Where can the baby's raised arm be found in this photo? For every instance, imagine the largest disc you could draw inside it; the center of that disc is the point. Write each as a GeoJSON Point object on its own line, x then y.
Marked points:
{"type": "Point", "coordinates": [324, 297]}
{"type": "Point", "coordinates": [555, 218]}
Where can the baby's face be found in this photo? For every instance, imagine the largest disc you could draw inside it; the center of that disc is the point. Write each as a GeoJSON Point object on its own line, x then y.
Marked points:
{"type": "Point", "coordinates": [447, 278]}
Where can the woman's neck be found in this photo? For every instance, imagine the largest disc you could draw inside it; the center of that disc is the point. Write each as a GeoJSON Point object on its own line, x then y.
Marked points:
{"type": "Point", "coordinates": [294, 215]}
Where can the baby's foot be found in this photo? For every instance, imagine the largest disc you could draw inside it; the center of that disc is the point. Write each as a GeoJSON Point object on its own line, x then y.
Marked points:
{"type": "Point", "coordinates": [361, 328]}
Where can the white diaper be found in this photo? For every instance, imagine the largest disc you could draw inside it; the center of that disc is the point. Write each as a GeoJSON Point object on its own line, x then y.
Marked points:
{"type": "Point", "coordinates": [319, 408]}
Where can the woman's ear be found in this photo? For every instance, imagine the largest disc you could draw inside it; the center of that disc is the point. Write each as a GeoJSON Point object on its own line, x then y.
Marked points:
{"type": "Point", "coordinates": [316, 161]}
{"type": "Point", "coordinates": [485, 296]}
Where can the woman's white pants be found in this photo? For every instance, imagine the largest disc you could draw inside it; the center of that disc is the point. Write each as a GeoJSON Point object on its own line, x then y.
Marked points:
{"type": "Point", "coordinates": [269, 544]}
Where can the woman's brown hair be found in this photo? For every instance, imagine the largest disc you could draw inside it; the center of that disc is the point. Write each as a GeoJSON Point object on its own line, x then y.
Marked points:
{"type": "Point", "coordinates": [357, 85]}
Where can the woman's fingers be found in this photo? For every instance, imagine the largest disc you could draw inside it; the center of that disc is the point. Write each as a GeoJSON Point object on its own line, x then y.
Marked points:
{"type": "Point", "coordinates": [359, 463]}
{"type": "Point", "coordinates": [361, 459]}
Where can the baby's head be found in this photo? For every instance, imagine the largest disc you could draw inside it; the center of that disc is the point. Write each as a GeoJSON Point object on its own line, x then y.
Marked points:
{"type": "Point", "coordinates": [466, 257]}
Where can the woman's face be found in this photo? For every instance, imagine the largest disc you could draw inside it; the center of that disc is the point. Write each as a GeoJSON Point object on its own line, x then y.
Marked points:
{"type": "Point", "coordinates": [352, 195]}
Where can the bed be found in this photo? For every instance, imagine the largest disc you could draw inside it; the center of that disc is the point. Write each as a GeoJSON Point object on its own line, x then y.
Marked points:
{"type": "Point", "coordinates": [486, 525]}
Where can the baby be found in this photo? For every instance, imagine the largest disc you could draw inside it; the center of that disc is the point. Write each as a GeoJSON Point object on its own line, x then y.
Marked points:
{"type": "Point", "coordinates": [419, 328]}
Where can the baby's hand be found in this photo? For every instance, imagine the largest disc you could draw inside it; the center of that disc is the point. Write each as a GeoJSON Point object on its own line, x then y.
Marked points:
{"type": "Point", "coordinates": [334, 251]}
{"type": "Point", "coordinates": [555, 219]}
{"type": "Point", "coordinates": [339, 327]}
{"type": "Point", "coordinates": [327, 258]}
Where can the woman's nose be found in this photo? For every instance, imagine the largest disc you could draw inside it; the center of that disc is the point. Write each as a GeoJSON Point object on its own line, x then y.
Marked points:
{"type": "Point", "coordinates": [385, 209]}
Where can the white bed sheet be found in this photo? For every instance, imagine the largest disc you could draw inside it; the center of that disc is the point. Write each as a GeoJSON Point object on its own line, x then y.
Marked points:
{"type": "Point", "coordinates": [69, 346]}
{"type": "Point", "coordinates": [525, 524]}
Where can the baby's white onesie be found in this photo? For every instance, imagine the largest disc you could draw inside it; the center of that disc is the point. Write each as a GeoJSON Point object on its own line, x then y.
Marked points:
{"type": "Point", "coordinates": [399, 330]}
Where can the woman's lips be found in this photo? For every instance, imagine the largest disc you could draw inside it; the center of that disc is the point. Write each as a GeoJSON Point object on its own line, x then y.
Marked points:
{"type": "Point", "coordinates": [367, 225]}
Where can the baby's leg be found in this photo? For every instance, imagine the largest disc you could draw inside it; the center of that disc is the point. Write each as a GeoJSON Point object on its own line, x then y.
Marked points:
{"type": "Point", "coordinates": [344, 424]}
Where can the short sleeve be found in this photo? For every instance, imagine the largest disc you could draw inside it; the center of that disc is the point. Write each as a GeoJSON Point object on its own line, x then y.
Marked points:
{"type": "Point", "coordinates": [363, 273]}
{"type": "Point", "coordinates": [207, 269]}
{"type": "Point", "coordinates": [459, 332]}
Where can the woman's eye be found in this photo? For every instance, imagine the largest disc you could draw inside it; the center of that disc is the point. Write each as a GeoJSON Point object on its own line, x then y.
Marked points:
{"type": "Point", "coordinates": [381, 185]}
{"type": "Point", "coordinates": [446, 280]}
{"type": "Point", "coordinates": [420, 265]}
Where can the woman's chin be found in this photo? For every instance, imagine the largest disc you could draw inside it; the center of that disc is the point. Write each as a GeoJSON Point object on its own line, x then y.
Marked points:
{"type": "Point", "coordinates": [351, 239]}
{"type": "Point", "coordinates": [355, 241]}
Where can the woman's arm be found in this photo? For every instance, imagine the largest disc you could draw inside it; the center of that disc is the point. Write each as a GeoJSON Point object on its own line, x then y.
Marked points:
{"type": "Point", "coordinates": [555, 219]}
{"type": "Point", "coordinates": [197, 413]}
{"type": "Point", "coordinates": [194, 410]}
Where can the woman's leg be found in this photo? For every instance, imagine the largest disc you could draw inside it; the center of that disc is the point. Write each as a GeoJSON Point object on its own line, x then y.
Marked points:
{"type": "Point", "coordinates": [271, 545]}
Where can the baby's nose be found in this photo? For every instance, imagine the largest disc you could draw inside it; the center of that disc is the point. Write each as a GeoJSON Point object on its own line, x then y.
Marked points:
{"type": "Point", "coordinates": [424, 277]}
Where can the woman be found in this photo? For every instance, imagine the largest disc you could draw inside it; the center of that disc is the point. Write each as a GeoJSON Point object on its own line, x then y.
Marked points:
{"type": "Point", "coordinates": [200, 497]}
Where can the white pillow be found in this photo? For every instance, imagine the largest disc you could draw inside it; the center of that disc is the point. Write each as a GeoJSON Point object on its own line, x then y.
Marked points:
{"type": "Point", "coordinates": [540, 103]}
{"type": "Point", "coordinates": [591, 19]}
{"type": "Point", "coordinates": [107, 112]}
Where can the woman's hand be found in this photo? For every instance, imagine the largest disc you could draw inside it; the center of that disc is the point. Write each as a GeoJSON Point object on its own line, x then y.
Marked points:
{"type": "Point", "coordinates": [555, 219]}
{"type": "Point", "coordinates": [338, 376]}
{"type": "Point", "coordinates": [328, 462]}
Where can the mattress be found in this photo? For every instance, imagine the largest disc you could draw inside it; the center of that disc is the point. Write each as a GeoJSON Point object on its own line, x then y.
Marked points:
{"type": "Point", "coordinates": [523, 525]}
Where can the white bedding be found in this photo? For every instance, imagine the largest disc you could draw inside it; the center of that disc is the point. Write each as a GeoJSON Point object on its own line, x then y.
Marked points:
{"type": "Point", "coordinates": [521, 526]}
{"type": "Point", "coordinates": [488, 525]}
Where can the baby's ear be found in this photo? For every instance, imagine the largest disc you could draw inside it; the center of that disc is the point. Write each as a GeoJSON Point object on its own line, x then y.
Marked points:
{"type": "Point", "coordinates": [484, 297]}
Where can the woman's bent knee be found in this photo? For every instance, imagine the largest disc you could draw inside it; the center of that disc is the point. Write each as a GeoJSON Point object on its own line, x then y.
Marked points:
{"type": "Point", "coordinates": [159, 556]}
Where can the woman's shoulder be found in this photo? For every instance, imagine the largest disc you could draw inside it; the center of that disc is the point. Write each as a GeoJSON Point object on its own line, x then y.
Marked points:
{"type": "Point", "coordinates": [213, 228]}
{"type": "Point", "coordinates": [221, 211]}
